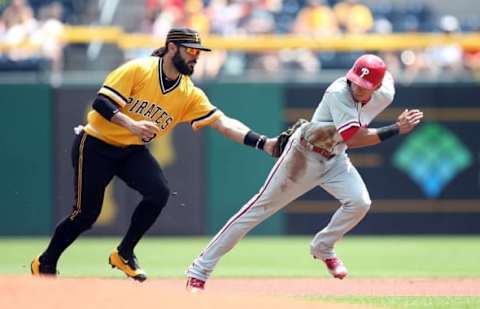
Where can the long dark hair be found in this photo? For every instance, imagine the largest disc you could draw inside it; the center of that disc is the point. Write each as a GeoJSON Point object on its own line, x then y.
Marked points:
{"type": "Point", "coordinates": [159, 52]}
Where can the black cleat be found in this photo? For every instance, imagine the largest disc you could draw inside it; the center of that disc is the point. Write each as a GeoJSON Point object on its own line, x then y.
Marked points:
{"type": "Point", "coordinates": [129, 266]}
{"type": "Point", "coordinates": [41, 269]}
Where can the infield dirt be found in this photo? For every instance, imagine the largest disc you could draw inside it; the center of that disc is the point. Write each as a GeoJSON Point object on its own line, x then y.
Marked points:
{"type": "Point", "coordinates": [84, 293]}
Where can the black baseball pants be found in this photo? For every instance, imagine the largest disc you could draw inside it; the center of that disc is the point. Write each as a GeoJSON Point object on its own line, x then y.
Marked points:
{"type": "Point", "coordinates": [95, 163]}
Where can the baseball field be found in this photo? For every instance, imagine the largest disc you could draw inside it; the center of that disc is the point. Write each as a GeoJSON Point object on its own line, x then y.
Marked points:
{"type": "Point", "coordinates": [261, 272]}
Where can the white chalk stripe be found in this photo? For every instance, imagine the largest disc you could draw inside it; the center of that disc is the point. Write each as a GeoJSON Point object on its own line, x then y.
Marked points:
{"type": "Point", "coordinates": [112, 95]}
{"type": "Point", "coordinates": [348, 126]}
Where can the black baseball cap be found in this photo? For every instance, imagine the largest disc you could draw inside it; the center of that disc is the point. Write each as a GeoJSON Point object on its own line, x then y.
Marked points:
{"type": "Point", "coordinates": [185, 37]}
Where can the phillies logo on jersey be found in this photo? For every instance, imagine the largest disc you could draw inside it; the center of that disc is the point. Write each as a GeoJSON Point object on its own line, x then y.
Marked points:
{"type": "Point", "coordinates": [365, 71]}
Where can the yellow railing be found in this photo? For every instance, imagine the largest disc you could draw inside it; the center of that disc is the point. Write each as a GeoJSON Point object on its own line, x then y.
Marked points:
{"type": "Point", "coordinates": [398, 41]}
{"type": "Point", "coordinates": [86, 34]}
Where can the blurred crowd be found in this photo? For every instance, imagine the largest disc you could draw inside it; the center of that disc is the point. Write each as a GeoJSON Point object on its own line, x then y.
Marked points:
{"type": "Point", "coordinates": [31, 40]}
{"type": "Point", "coordinates": [316, 18]}
{"type": "Point", "coordinates": [39, 24]}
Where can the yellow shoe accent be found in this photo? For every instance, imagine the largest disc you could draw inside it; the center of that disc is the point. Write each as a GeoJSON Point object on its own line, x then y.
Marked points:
{"type": "Point", "coordinates": [39, 269]}
{"type": "Point", "coordinates": [129, 267]}
{"type": "Point", "coordinates": [35, 266]}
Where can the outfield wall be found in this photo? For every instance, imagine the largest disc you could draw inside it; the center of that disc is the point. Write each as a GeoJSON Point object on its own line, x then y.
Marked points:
{"type": "Point", "coordinates": [426, 182]}
{"type": "Point", "coordinates": [26, 149]}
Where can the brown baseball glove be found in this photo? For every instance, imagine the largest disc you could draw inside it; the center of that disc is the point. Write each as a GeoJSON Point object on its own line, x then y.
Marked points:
{"type": "Point", "coordinates": [284, 136]}
{"type": "Point", "coordinates": [320, 134]}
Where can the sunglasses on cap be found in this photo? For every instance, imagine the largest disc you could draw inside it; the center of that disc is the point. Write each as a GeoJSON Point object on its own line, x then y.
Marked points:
{"type": "Point", "coordinates": [192, 51]}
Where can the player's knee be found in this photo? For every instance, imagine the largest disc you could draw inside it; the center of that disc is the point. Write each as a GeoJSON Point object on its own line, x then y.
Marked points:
{"type": "Point", "coordinates": [85, 219]}
{"type": "Point", "coordinates": [362, 204]}
{"type": "Point", "coordinates": [159, 196]}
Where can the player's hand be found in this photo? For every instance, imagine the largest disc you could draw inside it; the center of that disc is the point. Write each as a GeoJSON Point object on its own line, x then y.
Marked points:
{"type": "Point", "coordinates": [144, 129]}
{"type": "Point", "coordinates": [409, 119]}
{"type": "Point", "coordinates": [269, 144]}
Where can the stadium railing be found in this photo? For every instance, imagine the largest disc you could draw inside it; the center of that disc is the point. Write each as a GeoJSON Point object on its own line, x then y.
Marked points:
{"type": "Point", "coordinates": [378, 42]}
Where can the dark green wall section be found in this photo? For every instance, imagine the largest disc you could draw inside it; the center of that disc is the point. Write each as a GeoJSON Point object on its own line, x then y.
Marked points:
{"type": "Point", "coordinates": [26, 160]}
{"type": "Point", "coordinates": [236, 172]}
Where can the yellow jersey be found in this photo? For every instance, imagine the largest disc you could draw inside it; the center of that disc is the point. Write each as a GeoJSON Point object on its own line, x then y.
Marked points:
{"type": "Point", "coordinates": [137, 88]}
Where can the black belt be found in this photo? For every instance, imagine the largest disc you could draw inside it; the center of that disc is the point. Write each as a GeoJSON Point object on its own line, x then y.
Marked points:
{"type": "Point", "coordinates": [325, 153]}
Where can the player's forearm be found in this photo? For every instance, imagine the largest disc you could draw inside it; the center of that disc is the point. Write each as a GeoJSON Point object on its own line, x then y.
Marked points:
{"type": "Point", "coordinates": [231, 128]}
{"type": "Point", "coordinates": [110, 111]}
{"type": "Point", "coordinates": [123, 120]}
{"type": "Point", "coordinates": [367, 137]}
{"type": "Point", "coordinates": [363, 138]}
{"type": "Point", "coordinates": [240, 133]}
{"type": "Point", "coordinates": [144, 129]}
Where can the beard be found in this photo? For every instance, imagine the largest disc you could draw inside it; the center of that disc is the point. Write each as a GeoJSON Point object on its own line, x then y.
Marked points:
{"type": "Point", "coordinates": [181, 65]}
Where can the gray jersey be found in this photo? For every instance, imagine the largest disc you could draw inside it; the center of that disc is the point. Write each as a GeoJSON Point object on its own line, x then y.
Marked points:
{"type": "Point", "coordinates": [338, 108]}
{"type": "Point", "coordinates": [300, 169]}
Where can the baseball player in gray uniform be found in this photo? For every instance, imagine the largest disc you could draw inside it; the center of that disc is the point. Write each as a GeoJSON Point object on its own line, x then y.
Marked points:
{"type": "Point", "coordinates": [315, 155]}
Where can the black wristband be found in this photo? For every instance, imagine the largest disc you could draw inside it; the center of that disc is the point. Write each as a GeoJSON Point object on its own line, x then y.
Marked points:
{"type": "Point", "coordinates": [261, 142]}
{"type": "Point", "coordinates": [253, 139]}
{"type": "Point", "coordinates": [388, 131]}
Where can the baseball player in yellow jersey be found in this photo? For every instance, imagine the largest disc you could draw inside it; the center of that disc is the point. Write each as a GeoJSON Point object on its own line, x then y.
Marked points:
{"type": "Point", "coordinates": [139, 101]}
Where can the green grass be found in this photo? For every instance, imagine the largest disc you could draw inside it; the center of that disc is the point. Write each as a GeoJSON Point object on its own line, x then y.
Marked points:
{"type": "Point", "coordinates": [406, 256]}
{"type": "Point", "coordinates": [264, 257]}
{"type": "Point", "coordinates": [408, 302]}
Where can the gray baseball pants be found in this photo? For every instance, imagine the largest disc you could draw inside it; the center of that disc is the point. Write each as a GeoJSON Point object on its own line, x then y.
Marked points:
{"type": "Point", "coordinates": [296, 172]}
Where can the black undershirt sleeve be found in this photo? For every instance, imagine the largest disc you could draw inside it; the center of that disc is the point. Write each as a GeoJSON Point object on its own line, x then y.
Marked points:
{"type": "Point", "coordinates": [105, 107]}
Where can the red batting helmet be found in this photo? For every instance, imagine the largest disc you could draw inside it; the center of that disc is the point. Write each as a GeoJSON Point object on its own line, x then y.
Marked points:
{"type": "Point", "coordinates": [367, 71]}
